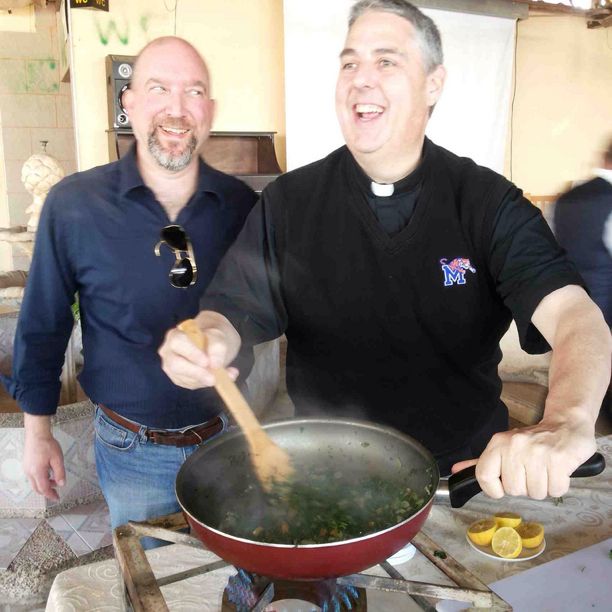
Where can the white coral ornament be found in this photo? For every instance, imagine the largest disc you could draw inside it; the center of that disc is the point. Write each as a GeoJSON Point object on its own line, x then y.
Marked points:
{"type": "Point", "coordinates": [38, 174]}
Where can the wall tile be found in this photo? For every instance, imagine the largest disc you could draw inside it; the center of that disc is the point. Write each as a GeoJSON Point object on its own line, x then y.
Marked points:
{"type": "Point", "coordinates": [20, 44]}
{"type": "Point", "coordinates": [17, 203]}
{"type": "Point", "coordinates": [13, 176]}
{"type": "Point", "coordinates": [13, 79]}
{"type": "Point", "coordinates": [69, 166]}
{"type": "Point", "coordinates": [64, 111]}
{"type": "Point", "coordinates": [17, 143]}
{"type": "Point", "coordinates": [46, 18]}
{"type": "Point", "coordinates": [42, 76]}
{"type": "Point", "coordinates": [60, 141]}
{"type": "Point", "coordinates": [21, 262]}
{"type": "Point", "coordinates": [25, 110]}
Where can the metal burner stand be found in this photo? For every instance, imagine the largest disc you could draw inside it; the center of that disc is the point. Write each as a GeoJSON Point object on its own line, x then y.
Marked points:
{"type": "Point", "coordinates": [144, 594]}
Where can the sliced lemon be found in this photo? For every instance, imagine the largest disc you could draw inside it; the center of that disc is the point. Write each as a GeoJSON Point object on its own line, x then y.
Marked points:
{"type": "Point", "coordinates": [507, 519]}
{"type": "Point", "coordinates": [507, 543]}
{"type": "Point", "coordinates": [531, 534]}
{"type": "Point", "coordinates": [481, 532]}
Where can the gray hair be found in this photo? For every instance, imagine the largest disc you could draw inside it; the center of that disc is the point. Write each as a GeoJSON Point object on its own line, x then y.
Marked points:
{"type": "Point", "coordinates": [427, 32]}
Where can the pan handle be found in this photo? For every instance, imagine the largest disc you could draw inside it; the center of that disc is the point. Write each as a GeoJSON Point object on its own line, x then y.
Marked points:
{"type": "Point", "coordinates": [463, 485]}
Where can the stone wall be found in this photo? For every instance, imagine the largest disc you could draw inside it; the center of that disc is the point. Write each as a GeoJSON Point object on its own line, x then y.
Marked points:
{"type": "Point", "coordinates": [34, 106]}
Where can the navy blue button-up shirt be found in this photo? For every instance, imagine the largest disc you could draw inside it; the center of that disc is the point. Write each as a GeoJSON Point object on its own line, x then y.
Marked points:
{"type": "Point", "coordinates": [96, 238]}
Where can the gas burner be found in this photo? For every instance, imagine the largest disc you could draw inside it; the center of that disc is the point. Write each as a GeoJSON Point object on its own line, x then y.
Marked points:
{"type": "Point", "coordinates": [333, 595]}
{"type": "Point", "coordinates": [247, 592]}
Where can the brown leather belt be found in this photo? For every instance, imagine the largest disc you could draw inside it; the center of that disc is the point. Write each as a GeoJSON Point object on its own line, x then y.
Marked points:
{"type": "Point", "coordinates": [189, 437]}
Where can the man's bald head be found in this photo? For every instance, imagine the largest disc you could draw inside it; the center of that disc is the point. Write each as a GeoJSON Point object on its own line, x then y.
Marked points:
{"type": "Point", "coordinates": [169, 103]}
{"type": "Point", "coordinates": [169, 44]}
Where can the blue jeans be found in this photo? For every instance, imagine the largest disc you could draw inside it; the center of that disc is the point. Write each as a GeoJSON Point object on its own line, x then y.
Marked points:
{"type": "Point", "coordinates": [136, 476]}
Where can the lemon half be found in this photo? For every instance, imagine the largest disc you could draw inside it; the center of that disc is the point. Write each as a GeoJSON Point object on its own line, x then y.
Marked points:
{"type": "Point", "coordinates": [481, 532]}
{"type": "Point", "coordinates": [531, 534]}
{"type": "Point", "coordinates": [507, 543]}
{"type": "Point", "coordinates": [507, 519]}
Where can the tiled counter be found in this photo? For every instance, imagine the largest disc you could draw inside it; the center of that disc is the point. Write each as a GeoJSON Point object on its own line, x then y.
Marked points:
{"type": "Point", "coordinates": [73, 428]}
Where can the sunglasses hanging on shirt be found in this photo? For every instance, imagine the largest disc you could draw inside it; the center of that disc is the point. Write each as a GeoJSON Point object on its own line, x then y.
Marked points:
{"type": "Point", "coordinates": [184, 271]}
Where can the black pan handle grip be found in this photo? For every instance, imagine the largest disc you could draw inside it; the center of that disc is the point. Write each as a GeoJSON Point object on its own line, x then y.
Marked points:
{"type": "Point", "coordinates": [463, 485]}
{"type": "Point", "coordinates": [591, 467]}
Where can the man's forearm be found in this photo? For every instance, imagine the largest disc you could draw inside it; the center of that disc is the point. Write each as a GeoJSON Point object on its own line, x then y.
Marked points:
{"type": "Point", "coordinates": [210, 320]}
{"type": "Point", "coordinates": [579, 371]}
{"type": "Point", "coordinates": [37, 426]}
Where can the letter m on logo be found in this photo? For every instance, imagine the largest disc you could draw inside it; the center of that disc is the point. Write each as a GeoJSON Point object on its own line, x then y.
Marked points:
{"type": "Point", "coordinates": [453, 276]}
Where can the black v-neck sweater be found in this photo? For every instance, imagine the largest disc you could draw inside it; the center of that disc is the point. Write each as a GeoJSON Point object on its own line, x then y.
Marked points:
{"type": "Point", "coordinates": [372, 330]}
{"type": "Point", "coordinates": [400, 329]}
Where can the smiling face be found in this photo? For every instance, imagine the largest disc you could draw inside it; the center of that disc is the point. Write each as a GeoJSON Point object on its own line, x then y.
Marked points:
{"type": "Point", "coordinates": [169, 105]}
{"type": "Point", "coordinates": [383, 94]}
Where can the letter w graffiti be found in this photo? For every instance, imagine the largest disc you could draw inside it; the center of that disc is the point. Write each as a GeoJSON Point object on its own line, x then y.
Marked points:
{"type": "Point", "coordinates": [111, 27]}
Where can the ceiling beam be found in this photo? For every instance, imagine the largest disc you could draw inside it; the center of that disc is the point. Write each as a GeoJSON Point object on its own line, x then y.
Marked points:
{"type": "Point", "coordinates": [552, 8]}
{"type": "Point", "coordinates": [494, 8]}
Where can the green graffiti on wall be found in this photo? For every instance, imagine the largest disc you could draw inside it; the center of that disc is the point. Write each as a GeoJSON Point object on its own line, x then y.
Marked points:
{"type": "Point", "coordinates": [106, 31]}
{"type": "Point", "coordinates": [42, 76]}
{"type": "Point", "coordinates": [105, 34]}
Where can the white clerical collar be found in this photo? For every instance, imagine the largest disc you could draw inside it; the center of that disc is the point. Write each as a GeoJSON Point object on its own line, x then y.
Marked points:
{"type": "Point", "coordinates": [382, 189]}
{"type": "Point", "coordinates": [603, 173]}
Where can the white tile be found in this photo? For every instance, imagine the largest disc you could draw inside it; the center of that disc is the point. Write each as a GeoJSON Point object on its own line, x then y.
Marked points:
{"type": "Point", "coordinates": [17, 44]}
{"type": "Point", "coordinates": [21, 262]}
{"type": "Point", "coordinates": [13, 176]}
{"type": "Point", "coordinates": [92, 523]}
{"type": "Point", "coordinates": [61, 526]}
{"type": "Point", "coordinates": [13, 535]}
{"type": "Point", "coordinates": [17, 204]}
{"type": "Point", "coordinates": [69, 166]}
{"type": "Point", "coordinates": [64, 111]}
{"type": "Point", "coordinates": [95, 539]}
{"type": "Point", "coordinates": [42, 76]}
{"type": "Point", "coordinates": [91, 515]}
{"type": "Point", "coordinates": [16, 143]}
{"type": "Point", "coordinates": [13, 79]}
{"type": "Point", "coordinates": [45, 18]}
{"type": "Point", "coordinates": [60, 141]}
{"type": "Point", "coordinates": [78, 545]}
{"type": "Point", "coordinates": [14, 487]}
{"type": "Point", "coordinates": [28, 110]}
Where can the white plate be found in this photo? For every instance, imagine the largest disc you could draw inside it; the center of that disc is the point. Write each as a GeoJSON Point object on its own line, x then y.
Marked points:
{"type": "Point", "coordinates": [525, 554]}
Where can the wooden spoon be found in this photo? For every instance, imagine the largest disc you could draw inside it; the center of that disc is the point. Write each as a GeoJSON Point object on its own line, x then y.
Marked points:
{"type": "Point", "coordinates": [271, 463]}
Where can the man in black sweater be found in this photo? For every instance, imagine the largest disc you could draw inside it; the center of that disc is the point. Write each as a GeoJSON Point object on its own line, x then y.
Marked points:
{"type": "Point", "coordinates": [394, 268]}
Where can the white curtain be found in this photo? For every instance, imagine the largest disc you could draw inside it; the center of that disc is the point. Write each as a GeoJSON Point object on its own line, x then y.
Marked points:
{"type": "Point", "coordinates": [472, 116]}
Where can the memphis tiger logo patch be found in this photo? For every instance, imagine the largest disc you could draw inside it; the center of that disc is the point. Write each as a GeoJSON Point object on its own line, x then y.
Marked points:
{"type": "Point", "coordinates": [454, 270]}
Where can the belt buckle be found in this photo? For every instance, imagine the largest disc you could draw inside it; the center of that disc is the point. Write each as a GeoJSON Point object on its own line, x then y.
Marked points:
{"type": "Point", "coordinates": [151, 434]}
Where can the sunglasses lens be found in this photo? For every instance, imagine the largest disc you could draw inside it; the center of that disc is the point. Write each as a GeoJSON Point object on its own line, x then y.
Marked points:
{"type": "Point", "coordinates": [174, 236]}
{"type": "Point", "coordinates": [181, 275]}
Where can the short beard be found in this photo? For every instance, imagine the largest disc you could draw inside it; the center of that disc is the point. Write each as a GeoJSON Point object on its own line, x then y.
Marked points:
{"type": "Point", "coordinates": [168, 160]}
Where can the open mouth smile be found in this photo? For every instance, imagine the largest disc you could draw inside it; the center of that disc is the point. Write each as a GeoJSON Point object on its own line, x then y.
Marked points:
{"type": "Point", "coordinates": [173, 131]}
{"type": "Point", "coordinates": [368, 112]}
